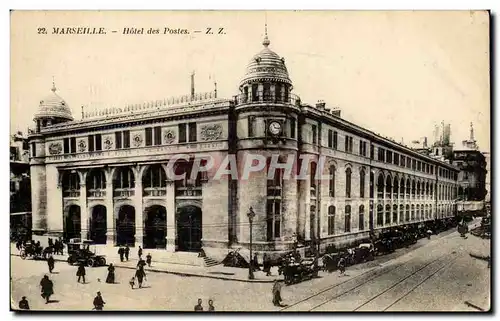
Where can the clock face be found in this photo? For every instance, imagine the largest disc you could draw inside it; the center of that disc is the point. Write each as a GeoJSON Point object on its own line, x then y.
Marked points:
{"type": "Point", "coordinates": [274, 128]}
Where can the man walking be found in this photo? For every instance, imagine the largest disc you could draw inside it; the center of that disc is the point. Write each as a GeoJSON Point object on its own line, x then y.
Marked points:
{"type": "Point", "coordinates": [341, 265]}
{"type": "Point", "coordinates": [198, 307]}
{"type": "Point", "coordinates": [99, 302]}
{"type": "Point", "coordinates": [139, 252]}
{"type": "Point", "coordinates": [277, 293]}
{"type": "Point", "coordinates": [23, 304]}
{"type": "Point", "coordinates": [121, 252]}
{"type": "Point", "coordinates": [51, 263]}
{"type": "Point", "coordinates": [127, 252]}
{"type": "Point", "coordinates": [80, 273]}
{"type": "Point", "coordinates": [47, 288]}
{"type": "Point", "coordinates": [148, 259]}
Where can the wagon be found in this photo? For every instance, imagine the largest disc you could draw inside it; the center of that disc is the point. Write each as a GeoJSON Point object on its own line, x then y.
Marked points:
{"type": "Point", "coordinates": [33, 251]}
{"type": "Point", "coordinates": [298, 272]}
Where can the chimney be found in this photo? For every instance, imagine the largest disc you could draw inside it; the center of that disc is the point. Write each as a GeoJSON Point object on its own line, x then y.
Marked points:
{"type": "Point", "coordinates": [425, 142]}
{"type": "Point", "coordinates": [320, 104]}
{"type": "Point", "coordinates": [192, 86]}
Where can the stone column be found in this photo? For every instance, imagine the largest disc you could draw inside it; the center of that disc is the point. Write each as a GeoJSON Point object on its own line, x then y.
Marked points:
{"type": "Point", "coordinates": [84, 212]}
{"type": "Point", "coordinates": [110, 211]}
{"type": "Point", "coordinates": [139, 221]}
{"type": "Point", "coordinates": [171, 223]}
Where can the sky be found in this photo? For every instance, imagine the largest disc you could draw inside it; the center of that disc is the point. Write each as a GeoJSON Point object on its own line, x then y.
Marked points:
{"type": "Point", "coordinates": [396, 73]}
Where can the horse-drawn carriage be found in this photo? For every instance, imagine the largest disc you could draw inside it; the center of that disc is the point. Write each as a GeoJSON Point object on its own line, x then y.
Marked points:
{"type": "Point", "coordinates": [79, 252]}
{"type": "Point", "coordinates": [295, 272]}
{"type": "Point", "coordinates": [363, 253]}
{"type": "Point", "coordinates": [35, 251]}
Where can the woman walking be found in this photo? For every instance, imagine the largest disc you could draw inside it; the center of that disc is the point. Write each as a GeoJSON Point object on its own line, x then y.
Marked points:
{"type": "Point", "coordinates": [111, 274]}
{"type": "Point", "coordinates": [47, 288]}
{"type": "Point", "coordinates": [140, 275]}
{"type": "Point", "coordinates": [80, 273]}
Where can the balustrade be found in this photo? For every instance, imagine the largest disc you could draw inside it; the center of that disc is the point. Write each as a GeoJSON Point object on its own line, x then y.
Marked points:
{"type": "Point", "coordinates": [124, 192]}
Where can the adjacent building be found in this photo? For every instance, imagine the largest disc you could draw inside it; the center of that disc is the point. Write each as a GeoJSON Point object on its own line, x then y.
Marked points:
{"type": "Point", "coordinates": [104, 177]}
{"type": "Point", "coordinates": [20, 186]}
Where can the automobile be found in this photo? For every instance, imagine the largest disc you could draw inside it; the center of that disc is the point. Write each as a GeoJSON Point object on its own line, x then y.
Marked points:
{"type": "Point", "coordinates": [80, 251]}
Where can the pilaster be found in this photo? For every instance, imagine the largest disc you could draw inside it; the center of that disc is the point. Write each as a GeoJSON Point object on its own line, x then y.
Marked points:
{"type": "Point", "coordinates": [110, 217]}
{"type": "Point", "coordinates": [171, 224]}
{"type": "Point", "coordinates": [139, 213]}
{"type": "Point", "coordinates": [84, 212]}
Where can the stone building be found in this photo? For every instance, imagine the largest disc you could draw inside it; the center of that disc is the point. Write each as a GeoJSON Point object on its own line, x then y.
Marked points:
{"type": "Point", "coordinates": [20, 186]}
{"type": "Point", "coordinates": [104, 177]}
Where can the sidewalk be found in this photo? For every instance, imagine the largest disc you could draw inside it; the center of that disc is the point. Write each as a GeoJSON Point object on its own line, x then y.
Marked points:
{"type": "Point", "coordinates": [215, 272]}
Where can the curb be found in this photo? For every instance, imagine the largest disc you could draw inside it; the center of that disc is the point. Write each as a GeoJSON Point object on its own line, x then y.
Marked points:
{"type": "Point", "coordinates": [186, 274]}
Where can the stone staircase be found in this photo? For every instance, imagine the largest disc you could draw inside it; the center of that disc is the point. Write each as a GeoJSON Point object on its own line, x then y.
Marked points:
{"type": "Point", "coordinates": [209, 262]}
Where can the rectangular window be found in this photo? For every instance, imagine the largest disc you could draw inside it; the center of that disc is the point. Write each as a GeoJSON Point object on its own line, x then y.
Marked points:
{"type": "Point", "coordinates": [255, 92]}
{"type": "Point", "coordinates": [72, 145]}
{"type": "Point", "coordinates": [331, 220]}
{"type": "Point", "coordinates": [126, 139]}
{"type": "Point", "coordinates": [277, 93]}
{"type": "Point", "coordinates": [292, 128]}
{"type": "Point", "coordinates": [91, 143]}
{"type": "Point", "coordinates": [381, 154]}
{"type": "Point", "coordinates": [98, 142]}
{"type": "Point", "coordinates": [157, 135]}
{"type": "Point", "coordinates": [372, 152]}
{"type": "Point", "coordinates": [118, 140]}
{"type": "Point", "coordinates": [413, 164]}
{"type": "Point", "coordinates": [351, 144]}
{"type": "Point", "coordinates": [403, 160]}
{"type": "Point", "coordinates": [33, 149]}
{"type": "Point", "coordinates": [346, 143]}
{"type": "Point", "coordinates": [192, 132]}
{"type": "Point", "coordinates": [335, 139]}
{"type": "Point", "coordinates": [361, 221]}
{"type": "Point", "coordinates": [66, 146]}
{"type": "Point", "coordinates": [182, 133]}
{"type": "Point", "coordinates": [419, 165]}
{"type": "Point", "coordinates": [389, 157]}
{"type": "Point", "coordinates": [396, 159]}
{"type": "Point", "coordinates": [149, 136]}
{"type": "Point", "coordinates": [250, 126]}
{"type": "Point", "coordinates": [314, 134]}
{"type": "Point", "coordinates": [330, 138]}
{"type": "Point", "coordinates": [408, 162]}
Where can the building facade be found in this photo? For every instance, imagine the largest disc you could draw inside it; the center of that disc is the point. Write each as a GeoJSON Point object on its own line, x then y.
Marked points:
{"type": "Point", "coordinates": [20, 186]}
{"type": "Point", "coordinates": [104, 177]}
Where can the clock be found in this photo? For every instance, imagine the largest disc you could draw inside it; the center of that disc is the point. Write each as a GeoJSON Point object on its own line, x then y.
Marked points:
{"type": "Point", "coordinates": [275, 128]}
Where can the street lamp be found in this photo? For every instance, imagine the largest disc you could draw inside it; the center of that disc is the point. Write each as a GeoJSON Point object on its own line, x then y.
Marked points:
{"type": "Point", "coordinates": [251, 215]}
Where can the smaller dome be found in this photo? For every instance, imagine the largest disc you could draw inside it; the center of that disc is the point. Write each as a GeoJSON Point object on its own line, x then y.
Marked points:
{"type": "Point", "coordinates": [53, 106]}
{"type": "Point", "coordinates": [266, 66]}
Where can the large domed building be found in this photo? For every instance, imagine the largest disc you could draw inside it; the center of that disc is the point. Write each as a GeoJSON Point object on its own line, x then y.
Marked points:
{"type": "Point", "coordinates": [107, 177]}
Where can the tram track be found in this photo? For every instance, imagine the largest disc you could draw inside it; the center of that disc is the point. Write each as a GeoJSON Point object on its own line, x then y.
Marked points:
{"type": "Point", "coordinates": [339, 290]}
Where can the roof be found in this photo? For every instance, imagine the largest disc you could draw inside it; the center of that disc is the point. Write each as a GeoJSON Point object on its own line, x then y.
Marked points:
{"type": "Point", "coordinates": [53, 106]}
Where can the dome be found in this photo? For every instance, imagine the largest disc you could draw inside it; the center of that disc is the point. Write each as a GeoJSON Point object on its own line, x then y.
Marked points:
{"type": "Point", "coordinates": [266, 66]}
{"type": "Point", "coordinates": [53, 106]}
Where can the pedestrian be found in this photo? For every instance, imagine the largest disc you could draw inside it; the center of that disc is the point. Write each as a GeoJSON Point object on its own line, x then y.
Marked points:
{"type": "Point", "coordinates": [132, 282]}
{"type": "Point", "coordinates": [47, 288]}
{"type": "Point", "coordinates": [111, 274]}
{"type": "Point", "coordinates": [139, 252]}
{"type": "Point", "coordinates": [127, 252]}
{"type": "Point", "coordinates": [121, 252]}
{"type": "Point", "coordinates": [80, 273]}
{"type": "Point", "coordinates": [341, 265]}
{"type": "Point", "coordinates": [23, 304]}
{"type": "Point", "coordinates": [267, 265]}
{"type": "Point", "coordinates": [140, 275]}
{"type": "Point", "coordinates": [198, 307]}
{"type": "Point", "coordinates": [277, 293]}
{"type": "Point", "coordinates": [99, 302]}
{"type": "Point", "coordinates": [255, 263]}
{"type": "Point", "coordinates": [141, 263]}
{"type": "Point", "coordinates": [148, 259]}
{"type": "Point", "coordinates": [211, 307]}
{"type": "Point", "coordinates": [51, 242]}
{"type": "Point", "coordinates": [51, 263]}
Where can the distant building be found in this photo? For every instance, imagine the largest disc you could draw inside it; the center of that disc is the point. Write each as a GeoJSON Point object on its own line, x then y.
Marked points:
{"type": "Point", "coordinates": [472, 165]}
{"type": "Point", "coordinates": [20, 185]}
{"type": "Point", "coordinates": [487, 157]}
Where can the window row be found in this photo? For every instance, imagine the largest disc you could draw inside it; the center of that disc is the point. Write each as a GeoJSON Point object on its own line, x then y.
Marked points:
{"type": "Point", "coordinates": [390, 157]}
{"type": "Point", "coordinates": [406, 214]}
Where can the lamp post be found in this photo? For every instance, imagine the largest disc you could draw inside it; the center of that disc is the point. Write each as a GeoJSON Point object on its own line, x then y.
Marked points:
{"type": "Point", "coordinates": [251, 215]}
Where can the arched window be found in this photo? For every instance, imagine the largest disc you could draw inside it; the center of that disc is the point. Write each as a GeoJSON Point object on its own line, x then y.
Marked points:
{"type": "Point", "coordinates": [331, 220]}
{"type": "Point", "coordinates": [388, 187]}
{"type": "Point", "coordinates": [312, 222]}
{"type": "Point", "coordinates": [361, 223]}
{"type": "Point", "coordinates": [71, 184]}
{"type": "Point", "coordinates": [395, 189]}
{"type": "Point", "coordinates": [407, 216]}
{"type": "Point", "coordinates": [387, 214]}
{"type": "Point", "coordinates": [372, 184]}
{"type": "Point", "coordinates": [413, 189]}
{"type": "Point", "coordinates": [380, 215]}
{"type": "Point", "coordinates": [412, 212]}
{"type": "Point", "coordinates": [332, 181]}
{"type": "Point", "coordinates": [124, 178]}
{"type": "Point", "coordinates": [362, 183]}
{"type": "Point", "coordinates": [96, 183]}
{"type": "Point", "coordinates": [348, 183]}
{"type": "Point", "coordinates": [402, 188]}
{"type": "Point", "coordinates": [380, 187]}
{"type": "Point", "coordinates": [418, 190]}
{"type": "Point", "coordinates": [394, 214]}
{"type": "Point", "coordinates": [155, 177]}
{"type": "Point", "coordinates": [312, 179]}
{"type": "Point", "coordinates": [401, 213]}
{"type": "Point", "coordinates": [418, 212]}
{"type": "Point", "coordinates": [347, 225]}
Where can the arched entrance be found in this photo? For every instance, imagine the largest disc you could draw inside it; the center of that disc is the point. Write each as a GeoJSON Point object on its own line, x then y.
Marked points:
{"type": "Point", "coordinates": [189, 231]}
{"type": "Point", "coordinates": [73, 222]}
{"type": "Point", "coordinates": [98, 224]}
{"type": "Point", "coordinates": [155, 227]}
{"type": "Point", "coordinates": [125, 226]}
